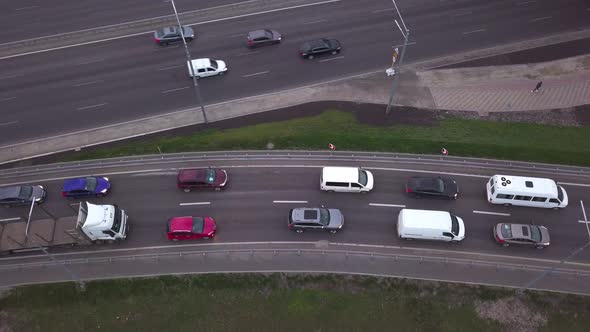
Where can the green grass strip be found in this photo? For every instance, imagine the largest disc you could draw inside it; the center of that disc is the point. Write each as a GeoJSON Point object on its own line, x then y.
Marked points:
{"type": "Point", "coordinates": [461, 137]}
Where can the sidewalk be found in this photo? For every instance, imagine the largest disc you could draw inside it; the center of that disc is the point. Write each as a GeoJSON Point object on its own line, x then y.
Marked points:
{"type": "Point", "coordinates": [566, 83]}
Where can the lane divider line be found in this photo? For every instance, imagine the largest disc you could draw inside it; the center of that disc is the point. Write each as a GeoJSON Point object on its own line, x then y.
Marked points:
{"type": "Point", "coordinates": [387, 205]}
{"type": "Point", "coordinates": [492, 213]}
{"type": "Point", "coordinates": [256, 74]}
{"type": "Point", "coordinates": [194, 203]}
{"type": "Point", "coordinates": [290, 202]}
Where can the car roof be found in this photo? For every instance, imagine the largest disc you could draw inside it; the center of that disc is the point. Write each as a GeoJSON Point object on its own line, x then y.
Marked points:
{"type": "Point", "coordinates": [9, 192]}
{"type": "Point", "coordinates": [194, 174]}
{"type": "Point", "coordinates": [316, 43]}
{"type": "Point", "coordinates": [171, 29]}
{"type": "Point", "coordinates": [74, 184]}
{"type": "Point", "coordinates": [201, 63]}
{"type": "Point", "coordinates": [429, 182]}
{"type": "Point", "coordinates": [260, 33]}
{"type": "Point", "coordinates": [520, 231]}
{"type": "Point", "coordinates": [306, 215]}
{"type": "Point", "coordinates": [181, 224]}
{"type": "Point", "coordinates": [522, 184]}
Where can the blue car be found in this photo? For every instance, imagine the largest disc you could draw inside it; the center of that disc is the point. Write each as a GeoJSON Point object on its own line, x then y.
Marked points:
{"type": "Point", "coordinates": [87, 186]}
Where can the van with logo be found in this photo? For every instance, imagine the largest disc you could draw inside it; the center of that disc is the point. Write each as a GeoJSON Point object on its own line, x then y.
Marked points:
{"type": "Point", "coordinates": [526, 191]}
{"type": "Point", "coordinates": [430, 225]}
{"type": "Point", "coordinates": [346, 179]}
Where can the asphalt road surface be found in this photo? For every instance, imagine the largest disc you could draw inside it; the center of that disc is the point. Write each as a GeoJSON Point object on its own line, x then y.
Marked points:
{"type": "Point", "coordinates": [88, 86]}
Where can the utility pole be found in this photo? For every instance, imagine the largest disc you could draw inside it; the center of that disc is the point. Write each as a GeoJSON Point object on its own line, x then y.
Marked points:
{"type": "Point", "coordinates": [406, 33]}
{"type": "Point", "coordinates": [196, 88]}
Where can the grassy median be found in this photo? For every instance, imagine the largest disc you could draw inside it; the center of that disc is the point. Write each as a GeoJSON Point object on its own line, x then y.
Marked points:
{"type": "Point", "coordinates": [461, 137]}
{"type": "Point", "coordinates": [279, 302]}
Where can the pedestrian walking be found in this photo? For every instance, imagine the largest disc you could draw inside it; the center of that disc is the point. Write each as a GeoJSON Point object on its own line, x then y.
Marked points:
{"type": "Point", "coordinates": [536, 89]}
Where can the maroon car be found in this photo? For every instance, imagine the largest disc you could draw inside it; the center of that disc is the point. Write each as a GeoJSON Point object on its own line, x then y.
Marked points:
{"type": "Point", "coordinates": [202, 178]}
{"type": "Point", "coordinates": [190, 228]}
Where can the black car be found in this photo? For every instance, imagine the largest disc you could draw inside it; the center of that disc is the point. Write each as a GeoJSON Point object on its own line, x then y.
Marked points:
{"type": "Point", "coordinates": [313, 48]}
{"type": "Point", "coordinates": [22, 195]}
{"type": "Point", "coordinates": [169, 35]}
{"type": "Point", "coordinates": [432, 187]}
{"type": "Point", "coordinates": [263, 38]}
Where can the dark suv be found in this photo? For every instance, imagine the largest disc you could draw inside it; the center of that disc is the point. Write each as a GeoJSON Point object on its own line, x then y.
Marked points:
{"type": "Point", "coordinates": [22, 195]}
{"type": "Point", "coordinates": [263, 37]}
{"type": "Point", "coordinates": [301, 219]}
{"type": "Point", "coordinates": [313, 48]}
{"type": "Point", "coordinates": [170, 35]}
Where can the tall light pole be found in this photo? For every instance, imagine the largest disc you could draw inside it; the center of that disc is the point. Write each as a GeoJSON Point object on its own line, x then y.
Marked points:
{"type": "Point", "coordinates": [196, 88]}
{"type": "Point", "coordinates": [406, 33]}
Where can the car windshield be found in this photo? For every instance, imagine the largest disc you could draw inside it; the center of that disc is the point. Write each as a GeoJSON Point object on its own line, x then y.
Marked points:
{"type": "Point", "coordinates": [210, 176]}
{"type": "Point", "coordinates": [560, 193]}
{"type": "Point", "coordinates": [198, 225]}
{"type": "Point", "coordinates": [324, 217]}
{"type": "Point", "coordinates": [454, 225]}
{"type": "Point", "coordinates": [117, 221]}
{"type": "Point", "coordinates": [363, 178]}
{"type": "Point", "coordinates": [506, 231]}
{"type": "Point", "coordinates": [90, 184]}
{"type": "Point", "coordinates": [26, 191]}
{"type": "Point", "coordinates": [535, 234]}
{"type": "Point", "coordinates": [214, 64]}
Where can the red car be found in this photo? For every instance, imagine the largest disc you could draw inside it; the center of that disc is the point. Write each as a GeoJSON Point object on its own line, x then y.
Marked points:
{"type": "Point", "coordinates": [202, 178]}
{"type": "Point", "coordinates": [189, 228]}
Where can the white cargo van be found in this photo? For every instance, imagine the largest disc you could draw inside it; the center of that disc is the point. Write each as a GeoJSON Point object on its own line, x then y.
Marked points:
{"type": "Point", "coordinates": [430, 225]}
{"type": "Point", "coordinates": [346, 179]}
{"type": "Point", "coordinates": [525, 191]}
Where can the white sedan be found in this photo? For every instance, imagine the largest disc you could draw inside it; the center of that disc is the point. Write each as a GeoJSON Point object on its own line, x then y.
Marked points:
{"type": "Point", "coordinates": [206, 67]}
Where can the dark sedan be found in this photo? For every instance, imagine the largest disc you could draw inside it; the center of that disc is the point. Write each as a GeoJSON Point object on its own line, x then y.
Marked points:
{"type": "Point", "coordinates": [263, 37]}
{"type": "Point", "coordinates": [432, 187]}
{"type": "Point", "coordinates": [202, 179]}
{"type": "Point", "coordinates": [86, 186]}
{"type": "Point", "coordinates": [313, 48]}
{"type": "Point", "coordinates": [170, 35]}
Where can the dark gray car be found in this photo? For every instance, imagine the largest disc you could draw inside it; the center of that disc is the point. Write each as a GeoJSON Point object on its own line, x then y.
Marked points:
{"type": "Point", "coordinates": [520, 234]}
{"type": "Point", "coordinates": [302, 219]}
{"type": "Point", "coordinates": [311, 49]}
{"type": "Point", "coordinates": [263, 37]}
{"type": "Point", "coordinates": [170, 35]}
{"type": "Point", "coordinates": [21, 195]}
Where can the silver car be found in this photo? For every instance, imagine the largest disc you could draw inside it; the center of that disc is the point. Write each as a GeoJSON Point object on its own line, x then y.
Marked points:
{"type": "Point", "coordinates": [170, 35]}
{"type": "Point", "coordinates": [21, 195]}
{"type": "Point", "coordinates": [302, 219]}
{"type": "Point", "coordinates": [520, 234]}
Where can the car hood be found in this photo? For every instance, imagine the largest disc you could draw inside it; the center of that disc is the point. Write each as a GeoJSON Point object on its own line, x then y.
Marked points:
{"type": "Point", "coordinates": [461, 234]}
{"type": "Point", "coordinates": [38, 193]}
{"type": "Point", "coordinates": [209, 225]}
{"type": "Point", "coordinates": [276, 34]}
{"type": "Point", "coordinates": [336, 219]}
{"type": "Point", "coordinates": [221, 66]}
{"type": "Point", "coordinates": [451, 187]}
{"type": "Point", "coordinates": [102, 184]}
{"type": "Point", "coordinates": [188, 32]}
{"type": "Point", "coordinates": [545, 238]}
{"type": "Point", "coordinates": [220, 177]}
{"type": "Point", "coordinates": [334, 43]}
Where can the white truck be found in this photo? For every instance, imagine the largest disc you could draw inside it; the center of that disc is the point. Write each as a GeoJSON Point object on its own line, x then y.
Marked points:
{"type": "Point", "coordinates": [93, 224]}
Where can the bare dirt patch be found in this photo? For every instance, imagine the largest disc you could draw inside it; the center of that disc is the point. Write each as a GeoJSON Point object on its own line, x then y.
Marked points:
{"type": "Point", "coordinates": [512, 313]}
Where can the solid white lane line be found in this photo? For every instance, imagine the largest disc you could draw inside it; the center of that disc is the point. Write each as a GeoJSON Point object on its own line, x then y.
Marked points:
{"type": "Point", "coordinates": [8, 123]}
{"type": "Point", "coordinates": [473, 31]}
{"type": "Point", "coordinates": [194, 203]}
{"type": "Point", "coordinates": [9, 219]}
{"type": "Point", "coordinates": [9, 76]}
{"type": "Point", "coordinates": [248, 53]}
{"type": "Point", "coordinates": [492, 213]}
{"type": "Point", "coordinates": [90, 61]}
{"type": "Point", "coordinates": [461, 14]}
{"type": "Point", "coordinates": [167, 68]}
{"type": "Point", "coordinates": [387, 205]}
{"type": "Point", "coordinates": [26, 8]}
{"type": "Point", "coordinates": [186, 87]}
{"type": "Point", "coordinates": [574, 184]}
{"type": "Point", "coordinates": [88, 83]}
{"type": "Point", "coordinates": [7, 98]}
{"type": "Point", "coordinates": [540, 19]}
{"type": "Point", "coordinates": [411, 43]}
{"type": "Point", "coordinates": [525, 2]}
{"type": "Point", "coordinates": [335, 58]}
{"type": "Point", "coordinates": [382, 10]}
{"type": "Point", "coordinates": [290, 202]}
{"type": "Point", "coordinates": [314, 22]}
{"type": "Point", "coordinates": [259, 73]}
{"type": "Point", "coordinates": [91, 106]}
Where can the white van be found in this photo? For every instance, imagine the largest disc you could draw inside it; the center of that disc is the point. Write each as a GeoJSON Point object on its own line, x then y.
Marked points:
{"type": "Point", "coordinates": [525, 191]}
{"type": "Point", "coordinates": [430, 225]}
{"type": "Point", "coordinates": [346, 179]}
{"type": "Point", "coordinates": [206, 67]}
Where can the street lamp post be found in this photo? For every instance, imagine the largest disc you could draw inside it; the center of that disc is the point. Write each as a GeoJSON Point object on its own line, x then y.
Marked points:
{"type": "Point", "coordinates": [406, 33]}
{"type": "Point", "coordinates": [196, 88]}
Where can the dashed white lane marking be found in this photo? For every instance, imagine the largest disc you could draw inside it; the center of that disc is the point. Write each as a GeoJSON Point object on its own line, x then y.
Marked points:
{"type": "Point", "coordinates": [168, 68]}
{"type": "Point", "coordinates": [256, 74]}
{"type": "Point", "coordinates": [382, 10]}
{"type": "Point", "coordinates": [7, 98]}
{"type": "Point", "coordinates": [492, 213]}
{"type": "Point", "coordinates": [314, 22]}
{"type": "Point", "coordinates": [395, 46]}
{"type": "Point", "coordinates": [88, 83]}
{"type": "Point", "coordinates": [178, 89]}
{"type": "Point", "coordinates": [332, 59]}
{"type": "Point", "coordinates": [525, 2]}
{"type": "Point", "coordinates": [91, 106]}
{"type": "Point", "coordinates": [473, 31]}
{"type": "Point", "coordinates": [248, 53]}
{"type": "Point", "coordinates": [241, 34]}
{"type": "Point", "coordinates": [462, 14]}
{"type": "Point", "coordinates": [387, 205]}
{"type": "Point", "coordinates": [9, 76]}
{"type": "Point", "coordinates": [26, 8]}
{"type": "Point", "coordinates": [90, 61]}
{"type": "Point", "coordinates": [8, 123]}
{"type": "Point", "coordinates": [9, 219]}
{"type": "Point", "coordinates": [540, 19]}
{"type": "Point", "coordinates": [194, 203]}
{"type": "Point", "coordinates": [290, 202]}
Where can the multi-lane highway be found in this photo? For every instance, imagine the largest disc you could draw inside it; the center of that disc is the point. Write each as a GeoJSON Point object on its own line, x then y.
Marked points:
{"type": "Point", "coordinates": [263, 187]}
{"type": "Point", "coordinates": [87, 86]}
